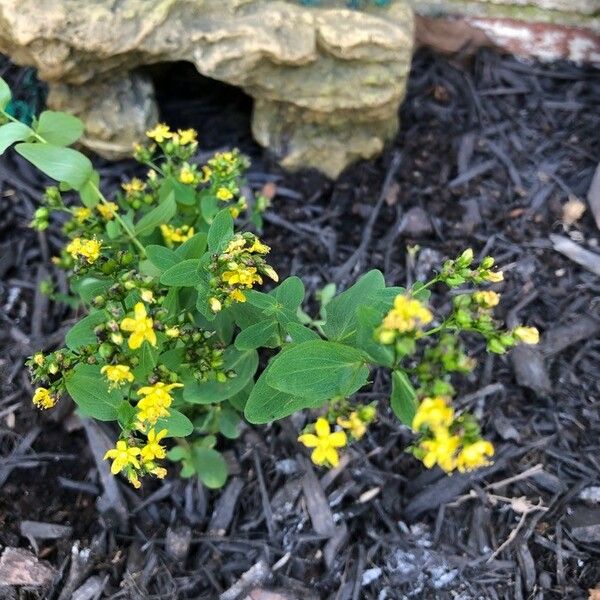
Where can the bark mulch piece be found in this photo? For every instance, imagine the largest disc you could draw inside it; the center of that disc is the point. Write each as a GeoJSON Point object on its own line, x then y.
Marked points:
{"type": "Point", "coordinates": [489, 154]}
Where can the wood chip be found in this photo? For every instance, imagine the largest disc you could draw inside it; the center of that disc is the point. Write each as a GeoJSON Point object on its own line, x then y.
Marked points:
{"type": "Point", "coordinates": [593, 196]}
{"type": "Point", "coordinates": [588, 260]}
{"type": "Point", "coordinates": [21, 567]}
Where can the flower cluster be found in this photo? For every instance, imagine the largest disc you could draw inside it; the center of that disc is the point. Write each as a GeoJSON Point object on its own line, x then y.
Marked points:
{"type": "Point", "coordinates": [239, 267]}
{"type": "Point", "coordinates": [82, 249]}
{"type": "Point", "coordinates": [407, 316]}
{"type": "Point", "coordinates": [324, 442]}
{"type": "Point", "coordinates": [446, 440]}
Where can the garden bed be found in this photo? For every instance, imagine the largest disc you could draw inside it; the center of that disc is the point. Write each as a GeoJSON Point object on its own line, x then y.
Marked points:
{"type": "Point", "coordinates": [494, 154]}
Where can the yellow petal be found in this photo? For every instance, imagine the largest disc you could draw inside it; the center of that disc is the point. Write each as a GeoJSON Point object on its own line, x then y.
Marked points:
{"type": "Point", "coordinates": [135, 340]}
{"type": "Point", "coordinates": [319, 455]}
{"type": "Point", "coordinates": [128, 324]}
{"type": "Point", "coordinates": [322, 427]}
{"type": "Point", "coordinates": [140, 311]}
{"type": "Point", "coordinates": [333, 458]}
{"type": "Point", "coordinates": [338, 439]}
{"type": "Point", "coordinates": [309, 440]}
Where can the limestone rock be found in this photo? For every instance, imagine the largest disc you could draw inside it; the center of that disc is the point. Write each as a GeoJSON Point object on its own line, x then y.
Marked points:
{"type": "Point", "coordinates": [327, 81]}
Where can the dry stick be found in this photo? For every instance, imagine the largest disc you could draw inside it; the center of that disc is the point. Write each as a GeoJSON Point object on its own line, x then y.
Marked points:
{"type": "Point", "coordinates": [344, 270]}
{"type": "Point", "coordinates": [264, 495]}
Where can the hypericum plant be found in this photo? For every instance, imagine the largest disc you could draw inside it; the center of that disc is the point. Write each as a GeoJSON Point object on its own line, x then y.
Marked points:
{"type": "Point", "coordinates": [168, 348]}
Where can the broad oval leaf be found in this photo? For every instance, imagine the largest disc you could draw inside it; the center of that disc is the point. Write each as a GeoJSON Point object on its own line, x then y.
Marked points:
{"type": "Point", "coordinates": [290, 293]}
{"type": "Point", "coordinates": [176, 424]}
{"type": "Point", "coordinates": [82, 333]}
{"type": "Point", "coordinates": [319, 370]}
{"type": "Point", "coordinates": [63, 164]}
{"type": "Point", "coordinates": [263, 333]}
{"type": "Point", "coordinates": [161, 257]}
{"type": "Point", "coordinates": [220, 231]}
{"type": "Point", "coordinates": [89, 390]}
{"type": "Point", "coordinates": [404, 398]}
{"type": "Point", "coordinates": [210, 466]}
{"type": "Point", "coordinates": [59, 128]}
{"type": "Point", "coordinates": [266, 404]}
{"type": "Point", "coordinates": [244, 364]}
{"type": "Point", "coordinates": [11, 133]}
{"type": "Point", "coordinates": [162, 213]}
{"type": "Point", "coordinates": [183, 274]}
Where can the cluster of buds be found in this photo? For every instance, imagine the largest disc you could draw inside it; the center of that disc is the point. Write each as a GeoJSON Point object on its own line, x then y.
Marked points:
{"type": "Point", "coordinates": [460, 271]}
{"type": "Point", "coordinates": [438, 362]}
{"type": "Point", "coordinates": [239, 267]}
{"type": "Point", "coordinates": [473, 312]}
{"type": "Point", "coordinates": [451, 442]}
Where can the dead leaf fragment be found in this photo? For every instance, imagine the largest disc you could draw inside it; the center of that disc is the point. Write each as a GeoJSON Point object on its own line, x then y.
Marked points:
{"type": "Point", "coordinates": [21, 567]}
{"type": "Point", "coordinates": [573, 210]}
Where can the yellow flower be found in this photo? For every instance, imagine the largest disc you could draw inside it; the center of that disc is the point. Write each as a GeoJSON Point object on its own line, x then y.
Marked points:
{"type": "Point", "coordinates": [487, 299]}
{"type": "Point", "coordinates": [38, 359]}
{"type": "Point", "coordinates": [237, 296]}
{"type": "Point", "coordinates": [141, 327]}
{"type": "Point", "coordinates": [433, 412]}
{"type": "Point", "coordinates": [325, 443]}
{"type": "Point", "coordinates": [134, 186]}
{"type": "Point", "coordinates": [224, 194]}
{"type": "Point", "coordinates": [215, 304]}
{"type": "Point", "coordinates": [186, 175]}
{"type": "Point", "coordinates": [441, 450]}
{"type": "Point", "coordinates": [173, 235]}
{"type": "Point", "coordinates": [82, 213]}
{"type": "Point", "coordinates": [42, 398]}
{"type": "Point", "coordinates": [527, 335]}
{"type": "Point", "coordinates": [354, 424]}
{"type": "Point", "coordinates": [156, 401]}
{"type": "Point", "coordinates": [236, 245]}
{"type": "Point", "coordinates": [117, 374]}
{"type": "Point", "coordinates": [153, 449]}
{"type": "Point", "coordinates": [172, 332]}
{"type": "Point", "coordinates": [407, 315]}
{"type": "Point", "coordinates": [206, 174]}
{"type": "Point", "coordinates": [108, 210]}
{"type": "Point", "coordinates": [234, 211]}
{"type": "Point", "coordinates": [494, 276]}
{"type": "Point", "coordinates": [160, 133]}
{"type": "Point", "coordinates": [474, 456]}
{"type": "Point", "coordinates": [259, 247]}
{"type": "Point", "coordinates": [122, 455]}
{"type": "Point", "coordinates": [85, 249]}
{"type": "Point", "coordinates": [186, 136]}
{"type": "Point", "coordinates": [240, 275]}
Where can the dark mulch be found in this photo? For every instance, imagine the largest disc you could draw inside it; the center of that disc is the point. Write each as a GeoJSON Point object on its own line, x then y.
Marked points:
{"type": "Point", "coordinates": [488, 156]}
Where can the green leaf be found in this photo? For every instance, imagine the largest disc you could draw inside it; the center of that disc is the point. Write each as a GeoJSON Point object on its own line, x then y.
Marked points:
{"type": "Point", "coordinates": [229, 423]}
{"type": "Point", "coordinates": [177, 424]}
{"type": "Point", "coordinates": [161, 257]}
{"type": "Point", "coordinates": [162, 213]}
{"type": "Point", "coordinates": [341, 311]}
{"type": "Point", "coordinates": [126, 413]}
{"type": "Point", "coordinates": [266, 404]}
{"type": "Point", "coordinates": [113, 229]}
{"type": "Point", "coordinates": [244, 364]}
{"type": "Point", "coordinates": [5, 94]}
{"type": "Point", "coordinates": [11, 133]}
{"type": "Point", "coordinates": [183, 194]}
{"type": "Point", "coordinates": [183, 274]}
{"type": "Point", "coordinates": [210, 466]}
{"type": "Point", "coordinates": [90, 195]}
{"type": "Point", "coordinates": [89, 390]}
{"type": "Point", "coordinates": [238, 401]}
{"type": "Point", "coordinates": [319, 370]}
{"type": "Point", "coordinates": [299, 333]}
{"type": "Point", "coordinates": [82, 333]}
{"type": "Point", "coordinates": [290, 293]}
{"type": "Point", "coordinates": [404, 398]}
{"type": "Point", "coordinates": [148, 356]}
{"type": "Point", "coordinates": [90, 287]}
{"type": "Point", "coordinates": [59, 128]}
{"type": "Point", "coordinates": [192, 248]}
{"type": "Point", "coordinates": [369, 319]}
{"type": "Point", "coordinates": [62, 164]}
{"type": "Point", "coordinates": [263, 333]}
{"type": "Point", "coordinates": [260, 300]}
{"type": "Point", "coordinates": [220, 232]}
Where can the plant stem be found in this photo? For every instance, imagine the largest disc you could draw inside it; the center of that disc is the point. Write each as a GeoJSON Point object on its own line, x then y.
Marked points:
{"type": "Point", "coordinates": [130, 234]}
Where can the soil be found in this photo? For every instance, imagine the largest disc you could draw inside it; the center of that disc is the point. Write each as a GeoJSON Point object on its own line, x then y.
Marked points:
{"type": "Point", "coordinates": [490, 152]}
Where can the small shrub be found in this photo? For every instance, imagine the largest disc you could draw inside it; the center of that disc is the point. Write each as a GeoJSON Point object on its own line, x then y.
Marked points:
{"type": "Point", "coordinates": [168, 349]}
